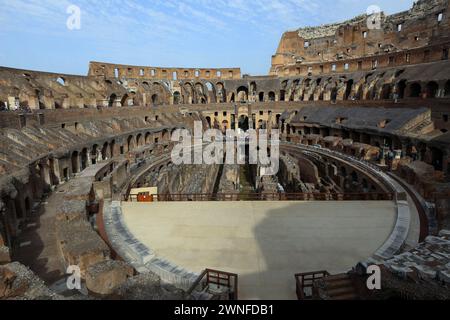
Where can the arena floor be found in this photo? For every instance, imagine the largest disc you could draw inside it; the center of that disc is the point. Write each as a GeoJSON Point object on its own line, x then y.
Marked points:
{"type": "Point", "coordinates": [266, 243]}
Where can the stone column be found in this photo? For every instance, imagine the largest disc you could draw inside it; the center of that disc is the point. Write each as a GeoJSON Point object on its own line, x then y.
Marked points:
{"type": "Point", "coordinates": [45, 174]}
{"type": "Point", "coordinates": [56, 170]}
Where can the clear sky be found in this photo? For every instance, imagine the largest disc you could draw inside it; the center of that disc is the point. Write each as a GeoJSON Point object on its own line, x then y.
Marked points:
{"type": "Point", "coordinates": [166, 33]}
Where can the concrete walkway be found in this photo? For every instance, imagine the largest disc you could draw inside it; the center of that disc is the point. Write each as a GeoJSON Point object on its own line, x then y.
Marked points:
{"type": "Point", "coordinates": [266, 243]}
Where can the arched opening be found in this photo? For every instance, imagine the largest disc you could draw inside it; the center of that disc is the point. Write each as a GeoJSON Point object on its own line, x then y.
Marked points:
{"type": "Point", "coordinates": [386, 92]}
{"type": "Point", "coordinates": [232, 97]}
{"type": "Point", "coordinates": [125, 102]}
{"type": "Point", "coordinates": [437, 159]}
{"type": "Point", "coordinates": [432, 89]}
{"type": "Point", "coordinates": [355, 177]}
{"type": "Point", "coordinates": [105, 151]}
{"type": "Point", "coordinates": [401, 89]}
{"type": "Point", "coordinates": [243, 123]}
{"type": "Point", "coordinates": [261, 97]}
{"type": "Point", "coordinates": [58, 105]}
{"type": "Point", "coordinates": [139, 140]}
{"type": "Point", "coordinates": [447, 89]}
{"type": "Point", "coordinates": [165, 135]}
{"type": "Point", "coordinates": [148, 138]}
{"type": "Point", "coordinates": [130, 144]}
{"type": "Point", "coordinates": [155, 99]}
{"type": "Point", "coordinates": [278, 120]}
{"type": "Point", "coordinates": [225, 125]}
{"type": "Point", "coordinates": [294, 90]}
{"type": "Point", "coordinates": [306, 90]}
{"type": "Point", "coordinates": [261, 124]}
{"type": "Point", "coordinates": [112, 100]}
{"type": "Point", "coordinates": [371, 93]}
{"type": "Point", "coordinates": [221, 93]}
{"type": "Point", "coordinates": [282, 95]}
{"type": "Point", "coordinates": [94, 154]}
{"type": "Point", "coordinates": [84, 159]}
{"type": "Point", "coordinates": [200, 93]}
{"type": "Point", "coordinates": [75, 164]}
{"type": "Point", "coordinates": [176, 97]}
{"type": "Point", "coordinates": [253, 88]}
{"type": "Point", "coordinates": [415, 90]}
{"type": "Point", "coordinates": [208, 120]}
{"type": "Point", "coordinates": [334, 93]}
{"type": "Point", "coordinates": [61, 81]}
{"type": "Point", "coordinates": [360, 93]}
{"type": "Point", "coordinates": [211, 92]}
{"type": "Point", "coordinates": [188, 93]}
{"type": "Point", "coordinates": [271, 96]}
{"type": "Point", "coordinates": [38, 97]}
{"type": "Point", "coordinates": [242, 94]}
{"type": "Point", "coordinates": [348, 90]}
{"type": "Point", "coordinates": [112, 147]}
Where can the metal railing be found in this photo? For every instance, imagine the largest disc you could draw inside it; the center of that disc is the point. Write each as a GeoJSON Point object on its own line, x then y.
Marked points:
{"type": "Point", "coordinates": [220, 279]}
{"type": "Point", "coordinates": [269, 197]}
{"type": "Point", "coordinates": [305, 283]}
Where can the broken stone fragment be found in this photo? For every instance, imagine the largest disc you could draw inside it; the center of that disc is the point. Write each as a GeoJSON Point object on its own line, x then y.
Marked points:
{"type": "Point", "coordinates": [104, 277]}
{"type": "Point", "coordinates": [17, 282]}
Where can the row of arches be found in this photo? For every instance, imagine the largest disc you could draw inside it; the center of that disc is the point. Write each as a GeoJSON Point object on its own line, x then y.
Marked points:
{"type": "Point", "coordinates": [91, 155]}
{"type": "Point", "coordinates": [49, 171]}
{"type": "Point", "coordinates": [417, 151]}
{"type": "Point", "coordinates": [372, 86]}
{"type": "Point", "coordinates": [427, 90]}
{"type": "Point", "coordinates": [369, 88]}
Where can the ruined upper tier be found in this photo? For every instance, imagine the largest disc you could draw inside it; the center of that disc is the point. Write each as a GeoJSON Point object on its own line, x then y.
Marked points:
{"type": "Point", "coordinates": [367, 42]}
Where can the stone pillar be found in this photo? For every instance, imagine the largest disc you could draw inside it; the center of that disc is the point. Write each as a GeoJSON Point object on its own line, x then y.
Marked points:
{"type": "Point", "coordinates": [45, 176]}
{"type": "Point", "coordinates": [88, 158]}
{"type": "Point", "coordinates": [78, 164]}
{"type": "Point", "coordinates": [57, 171]}
{"type": "Point", "coordinates": [99, 156]}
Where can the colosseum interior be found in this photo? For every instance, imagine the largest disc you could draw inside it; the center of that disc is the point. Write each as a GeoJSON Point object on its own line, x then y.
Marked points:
{"type": "Point", "coordinates": [87, 178]}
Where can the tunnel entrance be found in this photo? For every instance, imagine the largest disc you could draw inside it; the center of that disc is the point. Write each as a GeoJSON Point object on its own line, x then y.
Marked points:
{"type": "Point", "coordinates": [243, 123]}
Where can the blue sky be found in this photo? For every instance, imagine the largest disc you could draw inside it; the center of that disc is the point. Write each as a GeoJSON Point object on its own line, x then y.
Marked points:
{"type": "Point", "coordinates": [167, 33]}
